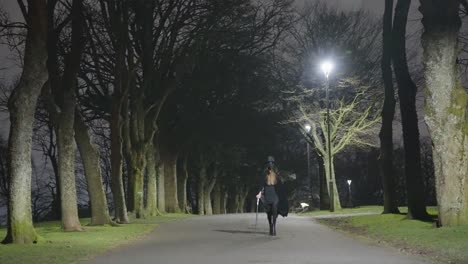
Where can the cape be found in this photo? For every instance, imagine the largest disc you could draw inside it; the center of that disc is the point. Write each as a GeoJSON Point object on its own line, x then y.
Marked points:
{"type": "Point", "coordinates": [283, 205]}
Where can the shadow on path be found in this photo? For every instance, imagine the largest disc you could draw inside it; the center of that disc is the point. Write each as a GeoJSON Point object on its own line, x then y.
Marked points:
{"type": "Point", "coordinates": [241, 232]}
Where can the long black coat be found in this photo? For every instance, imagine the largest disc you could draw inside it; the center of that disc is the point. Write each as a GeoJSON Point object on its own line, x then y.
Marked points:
{"type": "Point", "coordinates": [283, 204]}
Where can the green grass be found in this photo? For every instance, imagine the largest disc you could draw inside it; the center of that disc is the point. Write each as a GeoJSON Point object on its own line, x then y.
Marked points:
{"type": "Point", "coordinates": [444, 245]}
{"type": "Point", "coordinates": [56, 246]}
{"type": "Point", "coordinates": [361, 209]}
{"type": "Point", "coordinates": [376, 209]}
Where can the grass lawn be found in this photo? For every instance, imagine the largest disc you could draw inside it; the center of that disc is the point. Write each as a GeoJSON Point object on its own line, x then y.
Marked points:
{"type": "Point", "coordinates": [370, 209]}
{"type": "Point", "coordinates": [444, 245]}
{"type": "Point", "coordinates": [361, 209]}
{"type": "Point", "coordinates": [56, 246]}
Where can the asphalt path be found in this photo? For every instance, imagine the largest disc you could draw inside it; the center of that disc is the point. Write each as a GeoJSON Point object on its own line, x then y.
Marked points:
{"type": "Point", "coordinates": [233, 239]}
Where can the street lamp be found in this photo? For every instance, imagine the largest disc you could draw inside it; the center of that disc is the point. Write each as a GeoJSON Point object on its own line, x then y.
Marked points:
{"type": "Point", "coordinates": [327, 67]}
{"type": "Point", "coordinates": [349, 192]}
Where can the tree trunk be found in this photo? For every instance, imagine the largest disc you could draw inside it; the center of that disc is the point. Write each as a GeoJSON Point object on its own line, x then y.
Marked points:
{"type": "Point", "coordinates": [207, 200]}
{"type": "Point", "coordinates": [232, 203]}
{"type": "Point", "coordinates": [65, 96]}
{"type": "Point", "coordinates": [51, 154]}
{"type": "Point", "coordinates": [170, 183]}
{"type": "Point", "coordinates": [137, 167]}
{"type": "Point", "coordinates": [119, 24]}
{"type": "Point", "coordinates": [182, 186]}
{"type": "Point", "coordinates": [22, 106]}
{"type": "Point", "coordinates": [388, 113]}
{"type": "Point", "coordinates": [161, 193]}
{"type": "Point", "coordinates": [446, 108]}
{"type": "Point", "coordinates": [66, 162]}
{"type": "Point", "coordinates": [201, 189]}
{"type": "Point", "coordinates": [208, 189]}
{"type": "Point", "coordinates": [217, 199]}
{"type": "Point", "coordinates": [407, 94]}
{"type": "Point", "coordinates": [236, 207]}
{"type": "Point", "coordinates": [151, 203]}
{"type": "Point", "coordinates": [56, 204]}
{"type": "Point", "coordinates": [324, 197]}
{"type": "Point", "coordinates": [242, 198]}
{"type": "Point", "coordinates": [224, 196]}
{"type": "Point", "coordinates": [337, 202]}
{"type": "Point", "coordinates": [127, 152]}
{"type": "Point", "coordinates": [117, 185]}
{"type": "Point", "coordinates": [91, 163]}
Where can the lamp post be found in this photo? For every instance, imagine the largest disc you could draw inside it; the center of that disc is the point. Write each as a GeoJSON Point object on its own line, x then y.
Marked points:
{"type": "Point", "coordinates": [349, 192]}
{"type": "Point", "coordinates": [327, 67]}
{"type": "Point", "coordinates": [307, 129]}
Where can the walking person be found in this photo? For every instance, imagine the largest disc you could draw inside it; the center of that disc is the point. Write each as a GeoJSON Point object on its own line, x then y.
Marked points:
{"type": "Point", "coordinates": [273, 198]}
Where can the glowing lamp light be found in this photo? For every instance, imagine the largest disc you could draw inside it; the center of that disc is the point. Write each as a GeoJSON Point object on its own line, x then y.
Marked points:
{"type": "Point", "coordinates": [327, 67]}
{"type": "Point", "coordinates": [349, 182]}
{"type": "Point", "coordinates": [308, 128]}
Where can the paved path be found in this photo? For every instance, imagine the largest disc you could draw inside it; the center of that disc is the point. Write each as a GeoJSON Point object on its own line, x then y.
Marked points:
{"type": "Point", "coordinates": [231, 239]}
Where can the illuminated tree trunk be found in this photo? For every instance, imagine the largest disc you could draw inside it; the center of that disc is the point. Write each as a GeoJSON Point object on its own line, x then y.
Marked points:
{"type": "Point", "coordinates": [217, 199]}
{"type": "Point", "coordinates": [446, 108]}
{"type": "Point", "coordinates": [61, 106]}
{"type": "Point", "coordinates": [117, 185]}
{"type": "Point", "coordinates": [91, 163]}
{"type": "Point", "coordinates": [170, 182]}
{"type": "Point", "coordinates": [329, 174]}
{"type": "Point", "coordinates": [137, 166]}
{"type": "Point", "coordinates": [208, 189]}
{"type": "Point", "coordinates": [22, 106]}
{"type": "Point", "coordinates": [224, 196]}
{"type": "Point", "coordinates": [201, 189]}
{"type": "Point", "coordinates": [151, 203]}
{"type": "Point", "coordinates": [66, 162]}
{"type": "Point", "coordinates": [182, 185]}
{"type": "Point", "coordinates": [160, 183]}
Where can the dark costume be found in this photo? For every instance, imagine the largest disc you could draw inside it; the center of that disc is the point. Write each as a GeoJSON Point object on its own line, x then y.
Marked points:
{"type": "Point", "coordinates": [275, 202]}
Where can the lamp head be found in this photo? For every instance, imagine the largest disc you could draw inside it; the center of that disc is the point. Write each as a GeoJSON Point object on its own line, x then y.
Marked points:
{"type": "Point", "coordinates": [327, 67]}
{"type": "Point", "coordinates": [307, 128]}
{"type": "Point", "coordinates": [349, 182]}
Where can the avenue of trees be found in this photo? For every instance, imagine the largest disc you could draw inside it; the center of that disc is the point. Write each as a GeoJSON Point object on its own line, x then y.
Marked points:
{"type": "Point", "coordinates": [161, 82]}
{"type": "Point", "coordinates": [146, 107]}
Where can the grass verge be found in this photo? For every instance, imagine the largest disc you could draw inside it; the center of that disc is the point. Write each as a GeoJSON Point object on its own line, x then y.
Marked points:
{"type": "Point", "coordinates": [344, 211]}
{"type": "Point", "coordinates": [442, 245]}
{"type": "Point", "coordinates": [57, 247]}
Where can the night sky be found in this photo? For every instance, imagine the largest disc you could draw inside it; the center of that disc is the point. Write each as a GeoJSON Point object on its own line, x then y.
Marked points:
{"type": "Point", "coordinates": [11, 6]}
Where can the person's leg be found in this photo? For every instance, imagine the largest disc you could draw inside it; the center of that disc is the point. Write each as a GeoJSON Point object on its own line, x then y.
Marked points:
{"type": "Point", "coordinates": [268, 209]}
{"type": "Point", "coordinates": [274, 215]}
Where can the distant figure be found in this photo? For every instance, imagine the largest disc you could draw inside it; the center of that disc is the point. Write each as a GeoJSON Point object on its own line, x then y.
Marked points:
{"type": "Point", "coordinates": [273, 198]}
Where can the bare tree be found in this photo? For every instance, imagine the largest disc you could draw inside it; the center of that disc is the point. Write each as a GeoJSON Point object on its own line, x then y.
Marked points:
{"type": "Point", "coordinates": [352, 123]}
{"type": "Point", "coordinates": [22, 106]}
{"type": "Point", "coordinates": [61, 98]}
